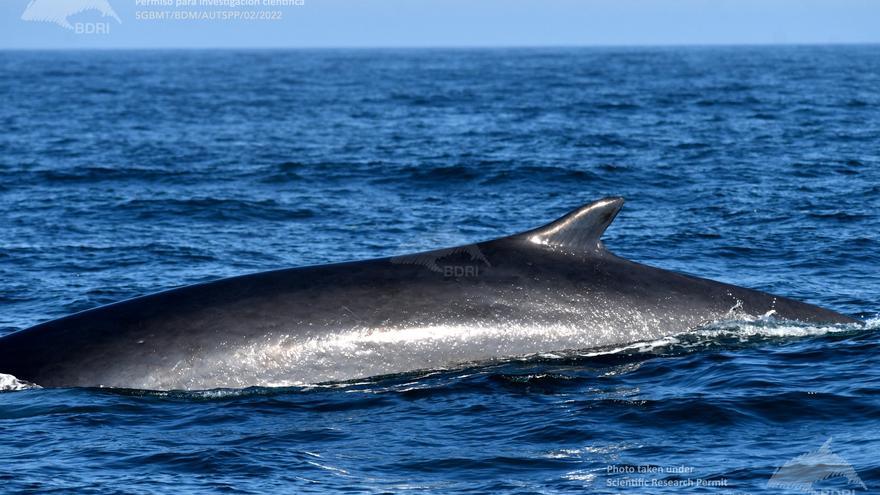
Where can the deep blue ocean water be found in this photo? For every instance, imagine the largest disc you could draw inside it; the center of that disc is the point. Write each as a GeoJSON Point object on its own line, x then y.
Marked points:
{"type": "Point", "coordinates": [123, 173]}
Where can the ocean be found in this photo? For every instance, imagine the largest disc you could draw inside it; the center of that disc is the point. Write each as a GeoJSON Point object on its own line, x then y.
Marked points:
{"type": "Point", "coordinates": [127, 172]}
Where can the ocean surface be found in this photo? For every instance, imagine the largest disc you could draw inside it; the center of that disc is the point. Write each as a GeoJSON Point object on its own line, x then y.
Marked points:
{"type": "Point", "coordinates": [124, 173]}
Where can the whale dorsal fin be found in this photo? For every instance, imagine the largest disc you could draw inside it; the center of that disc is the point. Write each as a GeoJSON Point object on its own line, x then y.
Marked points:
{"type": "Point", "coordinates": [580, 230]}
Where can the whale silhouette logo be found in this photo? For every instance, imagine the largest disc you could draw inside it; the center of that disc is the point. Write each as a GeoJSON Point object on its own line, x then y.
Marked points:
{"type": "Point", "coordinates": [804, 470]}
{"type": "Point", "coordinates": [59, 11]}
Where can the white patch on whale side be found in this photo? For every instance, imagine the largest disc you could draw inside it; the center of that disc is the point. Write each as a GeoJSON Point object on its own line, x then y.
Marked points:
{"type": "Point", "coordinates": [289, 359]}
{"type": "Point", "coordinates": [9, 383]}
{"type": "Point", "coordinates": [285, 360]}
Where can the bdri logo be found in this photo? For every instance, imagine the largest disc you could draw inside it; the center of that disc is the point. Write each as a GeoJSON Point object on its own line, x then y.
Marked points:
{"type": "Point", "coordinates": [60, 11]}
{"type": "Point", "coordinates": [802, 472]}
{"type": "Point", "coordinates": [430, 261]}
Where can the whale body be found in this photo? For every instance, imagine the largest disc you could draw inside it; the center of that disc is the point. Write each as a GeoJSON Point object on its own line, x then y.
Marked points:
{"type": "Point", "coordinates": [553, 288]}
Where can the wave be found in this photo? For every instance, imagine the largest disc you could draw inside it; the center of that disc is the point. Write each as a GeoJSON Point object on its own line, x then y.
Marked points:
{"type": "Point", "coordinates": [724, 334]}
{"type": "Point", "coordinates": [214, 209]}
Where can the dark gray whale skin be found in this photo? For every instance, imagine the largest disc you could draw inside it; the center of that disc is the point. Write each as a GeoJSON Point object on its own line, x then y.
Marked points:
{"type": "Point", "coordinates": [552, 288]}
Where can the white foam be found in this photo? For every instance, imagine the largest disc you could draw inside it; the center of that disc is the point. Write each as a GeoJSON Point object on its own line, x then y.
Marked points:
{"type": "Point", "coordinates": [742, 329]}
{"type": "Point", "coordinates": [767, 326]}
{"type": "Point", "coordinates": [9, 383]}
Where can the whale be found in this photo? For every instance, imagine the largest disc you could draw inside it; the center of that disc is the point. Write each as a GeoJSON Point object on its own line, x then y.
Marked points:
{"type": "Point", "coordinates": [553, 288]}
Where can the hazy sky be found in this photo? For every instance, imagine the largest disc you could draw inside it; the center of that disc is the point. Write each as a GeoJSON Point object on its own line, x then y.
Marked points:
{"type": "Point", "coordinates": [408, 23]}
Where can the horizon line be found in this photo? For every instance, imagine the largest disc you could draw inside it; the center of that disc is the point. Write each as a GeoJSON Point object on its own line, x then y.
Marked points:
{"type": "Point", "coordinates": [453, 47]}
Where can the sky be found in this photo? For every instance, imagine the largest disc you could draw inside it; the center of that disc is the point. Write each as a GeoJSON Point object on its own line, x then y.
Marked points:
{"type": "Point", "coordinates": [55, 24]}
